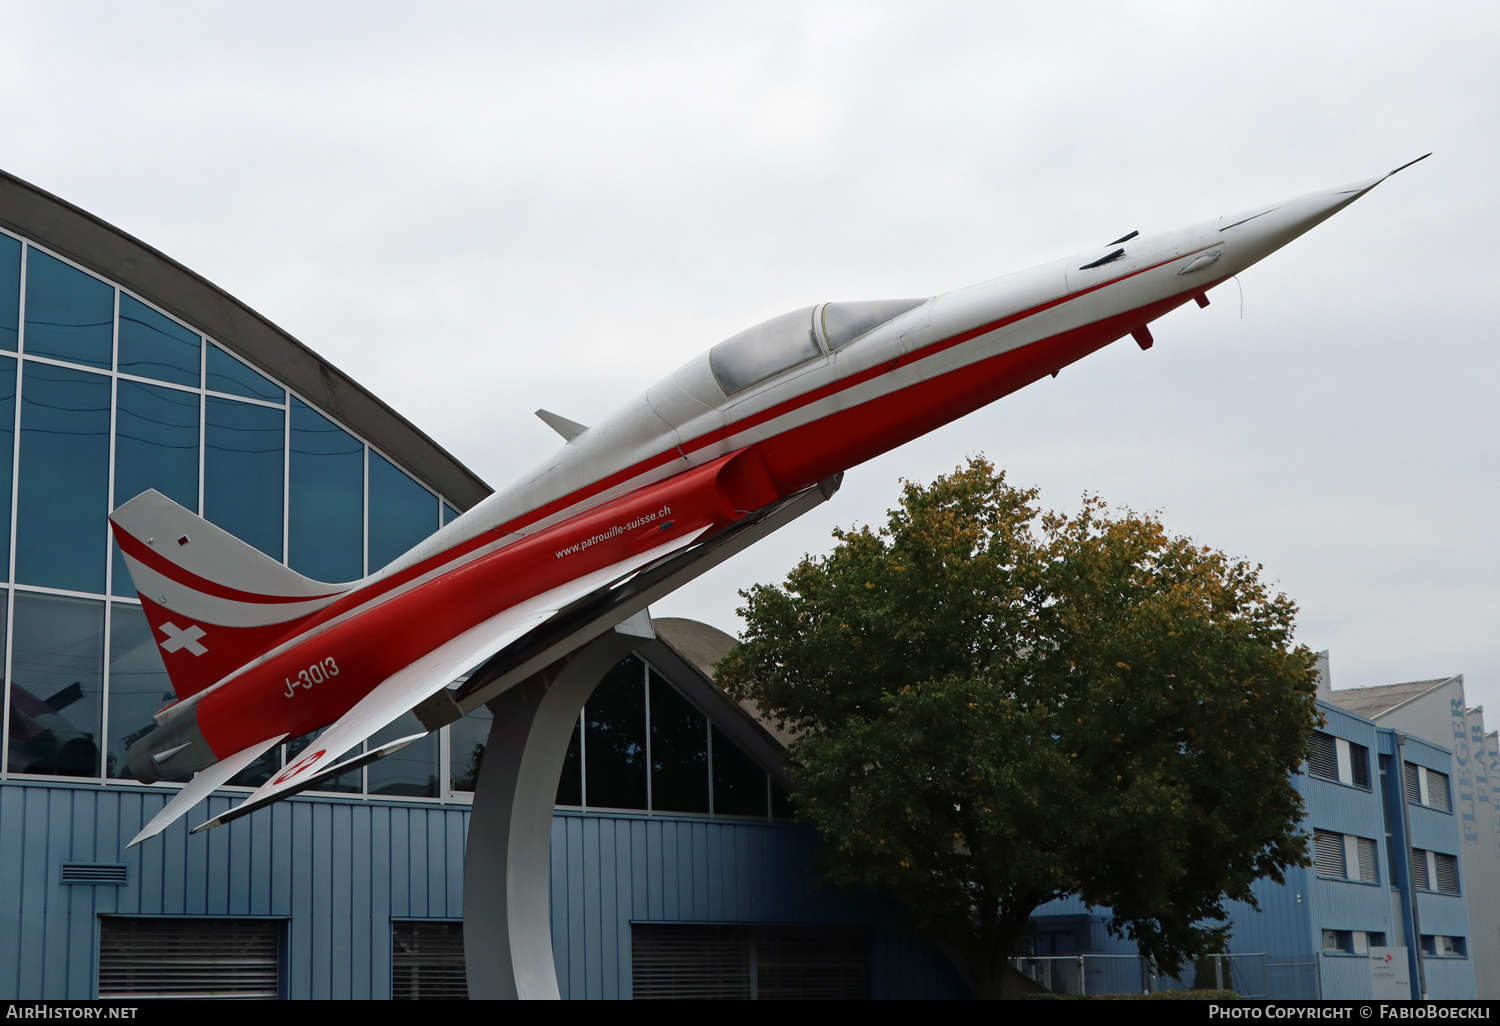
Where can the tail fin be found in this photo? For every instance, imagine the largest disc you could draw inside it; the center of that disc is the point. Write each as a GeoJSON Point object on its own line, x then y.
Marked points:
{"type": "Point", "coordinates": [214, 603]}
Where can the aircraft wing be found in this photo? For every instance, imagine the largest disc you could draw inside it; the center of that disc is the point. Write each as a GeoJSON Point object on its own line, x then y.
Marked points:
{"type": "Point", "coordinates": [428, 675]}
{"type": "Point", "coordinates": [202, 785]}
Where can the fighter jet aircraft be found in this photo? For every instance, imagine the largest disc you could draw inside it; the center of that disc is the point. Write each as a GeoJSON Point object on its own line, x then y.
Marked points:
{"type": "Point", "coordinates": [729, 446]}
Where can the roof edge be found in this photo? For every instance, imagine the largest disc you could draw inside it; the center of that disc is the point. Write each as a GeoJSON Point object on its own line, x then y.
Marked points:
{"type": "Point", "coordinates": [1437, 683]}
{"type": "Point", "coordinates": [94, 243]}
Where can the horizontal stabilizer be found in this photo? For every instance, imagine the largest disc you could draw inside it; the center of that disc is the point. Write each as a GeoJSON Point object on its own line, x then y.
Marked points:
{"type": "Point", "coordinates": [203, 785]}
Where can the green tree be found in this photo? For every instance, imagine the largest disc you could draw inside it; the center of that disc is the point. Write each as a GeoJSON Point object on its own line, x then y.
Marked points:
{"type": "Point", "coordinates": [994, 707]}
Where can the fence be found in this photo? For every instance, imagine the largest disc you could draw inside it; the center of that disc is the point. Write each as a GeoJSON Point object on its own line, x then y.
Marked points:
{"type": "Point", "coordinates": [1249, 975]}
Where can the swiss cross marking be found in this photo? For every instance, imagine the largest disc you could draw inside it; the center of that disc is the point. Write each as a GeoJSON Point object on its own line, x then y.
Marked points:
{"type": "Point", "coordinates": [178, 638]}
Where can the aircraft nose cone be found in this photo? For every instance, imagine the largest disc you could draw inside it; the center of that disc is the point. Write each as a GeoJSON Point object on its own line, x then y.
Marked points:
{"type": "Point", "coordinates": [1264, 229]}
{"type": "Point", "coordinates": [1254, 233]}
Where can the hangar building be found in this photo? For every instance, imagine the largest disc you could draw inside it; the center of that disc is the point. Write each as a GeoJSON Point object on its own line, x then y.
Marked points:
{"type": "Point", "coordinates": [673, 872]}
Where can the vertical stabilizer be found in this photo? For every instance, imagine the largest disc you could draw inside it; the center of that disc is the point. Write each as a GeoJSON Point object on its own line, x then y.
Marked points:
{"type": "Point", "coordinates": [213, 602]}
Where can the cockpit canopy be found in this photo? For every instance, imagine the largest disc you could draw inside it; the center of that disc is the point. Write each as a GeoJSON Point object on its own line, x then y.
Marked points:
{"type": "Point", "coordinates": [781, 343]}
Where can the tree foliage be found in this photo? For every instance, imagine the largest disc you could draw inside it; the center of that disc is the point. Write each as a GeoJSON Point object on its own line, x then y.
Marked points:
{"type": "Point", "coordinates": [994, 707]}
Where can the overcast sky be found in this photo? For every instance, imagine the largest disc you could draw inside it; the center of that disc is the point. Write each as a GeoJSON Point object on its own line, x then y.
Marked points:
{"type": "Point", "coordinates": [476, 210]}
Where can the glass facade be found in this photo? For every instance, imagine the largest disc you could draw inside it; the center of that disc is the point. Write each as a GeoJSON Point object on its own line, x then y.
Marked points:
{"type": "Point", "coordinates": [640, 745]}
{"type": "Point", "coordinates": [102, 397]}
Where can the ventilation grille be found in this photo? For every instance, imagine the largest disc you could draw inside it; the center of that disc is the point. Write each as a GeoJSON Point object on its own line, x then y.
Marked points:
{"type": "Point", "coordinates": [1323, 760]}
{"type": "Point", "coordinates": [106, 873]}
{"type": "Point", "coordinates": [742, 962]}
{"type": "Point", "coordinates": [1419, 878]}
{"type": "Point", "coordinates": [1413, 787]}
{"type": "Point", "coordinates": [1437, 791]}
{"type": "Point", "coordinates": [1328, 853]}
{"type": "Point", "coordinates": [1447, 872]}
{"type": "Point", "coordinates": [1369, 870]}
{"type": "Point", "coordinates": [188, 958]}
{"type": "Point", "coordinates": [427, 961]}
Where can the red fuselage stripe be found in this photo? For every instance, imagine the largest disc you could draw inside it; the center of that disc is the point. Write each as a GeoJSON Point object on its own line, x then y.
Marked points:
{"type": "Point", "coordinates": [719, 434]}
{"type": "Point", "coordinates": [143, 553]}
{"type": "Point", "coordinates": [948, 396]}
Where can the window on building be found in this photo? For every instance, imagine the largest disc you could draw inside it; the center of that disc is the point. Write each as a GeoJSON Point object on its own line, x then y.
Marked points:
{"type": "Point", "coordinates": [10, 292]}
{"type": "Point", "coordinates": [410, 772]}
{"type": "Point", "coordinates": [156, 446]}
{"type": "Point", "coordinates": [325, 498]}
{"type": "Point", "coordinates": [1345, 857]}
{"type": "Point", "coordinates": [466, 741]}
{"type": "Point", "coordinates": [1359, 765]}
{"type": "Point", "coordinates": [614, 751]}
{"type": "Point", "coordinates": [57, 685]}
{"type": "Point", "coordinates": [749, 963]}
{"type": "Point", "coordinates": [1369, 871]}
{"type": "Point", "coordinates": [607, 760]}
{"type": "Point", "coordinates": [155, 346]}
{"type": "Point", "coordinates": [1437, 795]}
{"type": "Point", "coordinates": [1338, 940]}
{"type": "Point", "coordinates": [1445, 872]}
{"type": "Point", "coordinates": [62, 509]}
{"type": "Point", "coordinates": [1444, 947]}
{"type": "Point", "coordinates": [402, 512]}
{"type": "Point", "coordinates": [1328, 854]}
{"type": "Point", "coordinates": [1427, 787]}
{"type": "Point", "coordinates": [740, 786]}
{"type": "Point", "coordinates": [1434, 871]}
{"type": "Point", "coordinates": [166, 957]}
{"type": "Point", "coordinates": [427, 961]}
{"type": "Point", "coordinates": [230, 375]}
{"type": "Point", "coordinates": [1335, 758]}
{"type": "Point", "coordinates": [1421, 879]}
{"type": "Point", "coordinates": [244, 453]}
{"type": "Point", "coordinates": [1322, 761]}
{"type": "Point", "coordinates": [70, 314]}
{"type": "Point", "coordinates": [7, 456]}
{"type": "Point", "coordinates": [679, 751]}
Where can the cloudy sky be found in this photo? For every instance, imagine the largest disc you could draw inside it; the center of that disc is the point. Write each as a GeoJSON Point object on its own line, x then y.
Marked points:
{"type": "Point", "coordinates": [476, 210]}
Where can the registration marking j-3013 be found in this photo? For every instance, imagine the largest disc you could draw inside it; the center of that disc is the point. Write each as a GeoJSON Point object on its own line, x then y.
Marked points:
{"type": "Point", "coordinates": [317, 673]}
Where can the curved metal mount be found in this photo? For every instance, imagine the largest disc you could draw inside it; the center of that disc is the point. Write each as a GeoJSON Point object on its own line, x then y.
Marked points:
{"type": "Point", "coordinates": [536, 694]}
{"type": "Point", "coordinates": [507, 902]}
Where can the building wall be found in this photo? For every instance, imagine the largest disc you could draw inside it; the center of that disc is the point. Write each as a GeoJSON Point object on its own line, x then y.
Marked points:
{"type": "Point", "coordinates": [337, 872]}
{"type": "Point", "coordinates": [1288, 926]}
{"type": "Point", "coordinates": [103, 396]}
{"type": "Point", "coordinates": [610, 871]}
{"type": "Point", "coordinates": [1442, 716]}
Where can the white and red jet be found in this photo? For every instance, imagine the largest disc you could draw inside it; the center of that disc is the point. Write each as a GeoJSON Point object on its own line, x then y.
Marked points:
{"type": "Point", "coordinates": [731, 445]}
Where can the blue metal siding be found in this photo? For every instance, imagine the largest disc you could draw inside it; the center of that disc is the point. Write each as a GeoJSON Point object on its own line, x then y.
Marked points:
{"type": "Point", "coordinates": [1282, 927]}
{"type": "Point", "coordinates": [338, 871]}
{"type": "Point", "coordinates": [609, 871]}
{"type": "Point", "coordinates": [325, 866]}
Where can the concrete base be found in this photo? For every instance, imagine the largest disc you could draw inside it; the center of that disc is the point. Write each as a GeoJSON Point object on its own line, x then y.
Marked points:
{"type": "Point", "coordinates": [507, 901]}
